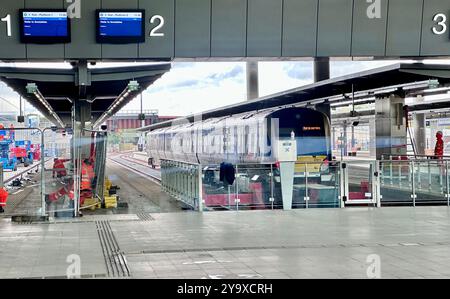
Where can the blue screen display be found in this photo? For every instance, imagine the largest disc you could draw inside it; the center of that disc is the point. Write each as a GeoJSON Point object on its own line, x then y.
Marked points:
{"type": "Point", "coordinates": [45, 24]}
{"type": "Point", "coordinates": [120, 24]}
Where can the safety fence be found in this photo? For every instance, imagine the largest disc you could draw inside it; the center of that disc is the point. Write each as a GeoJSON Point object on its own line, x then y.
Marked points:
{"type": "Point", "coordinates": [55, 174]}
{"type": "Point", "coordinates": [421, 180]}
{"type": "Point", "coordinates": [183, 182]}
{"type": "Point", "coordinates": [315, 185]}
{"type": "Point", "coordinates": [21, 162]}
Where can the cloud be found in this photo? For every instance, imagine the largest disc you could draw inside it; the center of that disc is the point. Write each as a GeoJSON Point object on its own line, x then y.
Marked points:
{"type": "Point", "coordinates": [301, 70]}
{"type": "Point", "coordinates": [234, 73]}
{"type": "Point", "coordinates": [201, 75]}
{"type": "Point", "coordinates": [342, 68]}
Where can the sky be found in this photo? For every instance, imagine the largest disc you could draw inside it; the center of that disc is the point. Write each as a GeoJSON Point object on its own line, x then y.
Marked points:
{"type": "Point", "coordinates": [192, 87]}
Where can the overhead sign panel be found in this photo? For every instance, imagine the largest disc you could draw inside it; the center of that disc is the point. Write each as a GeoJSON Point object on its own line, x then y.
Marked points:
{"type": "Point", "coordinates": [120, 27]}
{"type": "Point", "coordinates": [225, 29]}
{"type": "Point", "coordinates": [44, 27]}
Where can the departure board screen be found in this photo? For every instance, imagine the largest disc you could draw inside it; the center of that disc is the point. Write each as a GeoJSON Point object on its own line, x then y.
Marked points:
{"type": "Point", "coordinates": [120, 26]}
{"type": "Point", "coordinates": [44, 26]}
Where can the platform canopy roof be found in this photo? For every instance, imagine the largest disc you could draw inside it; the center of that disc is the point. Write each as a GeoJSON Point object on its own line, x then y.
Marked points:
{"type": "Point", "coordinates": [56, 90]}
{"type": "Point", "coordinates": [396, 75]}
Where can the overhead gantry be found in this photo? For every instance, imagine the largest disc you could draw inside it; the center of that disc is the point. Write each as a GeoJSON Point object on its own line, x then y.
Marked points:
{"type": "Point", "coordinates": [92, 94]}
{"type": "Point", "coordinates": [79, 100]}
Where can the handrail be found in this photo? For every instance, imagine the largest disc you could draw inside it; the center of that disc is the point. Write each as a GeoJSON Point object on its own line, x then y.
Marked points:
{"type": "Point", "coordinates": [23, 172]}
{"type": "Point", "coordinates": [177, 161]}
{"type": "Point", "coordinates": [428, 157]}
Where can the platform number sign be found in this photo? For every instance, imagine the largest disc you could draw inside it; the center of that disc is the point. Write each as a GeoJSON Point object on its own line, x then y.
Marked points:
{"type": "Point", "coordinates": [441, 26]}
{"type": "Point", "coordinates": [7, 20]}
{"type": "Point", "coordinates": [159, 21]}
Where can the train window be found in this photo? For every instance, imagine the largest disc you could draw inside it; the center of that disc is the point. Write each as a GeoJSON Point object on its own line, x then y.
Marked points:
{"type": "Point", "coordinates": [192, 141]}
{"type": "Point", "coordinates": [235, 140]}
{"type": "Point", "coordinates": [258, 147]}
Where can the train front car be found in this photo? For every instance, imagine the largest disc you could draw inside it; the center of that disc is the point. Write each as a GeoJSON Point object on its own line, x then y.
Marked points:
{"type": "Point", "coordinates": [311, 130]}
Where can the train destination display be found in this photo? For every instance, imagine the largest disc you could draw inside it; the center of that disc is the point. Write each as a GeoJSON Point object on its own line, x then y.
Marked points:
{"type": "Point", "coordinates": [120, 26]}
{"type": "Point", "coordinates": [44, 26]}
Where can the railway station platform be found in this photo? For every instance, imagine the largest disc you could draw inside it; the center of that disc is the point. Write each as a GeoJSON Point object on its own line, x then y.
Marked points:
{"type": "Point", "coordinates": [320, 243]}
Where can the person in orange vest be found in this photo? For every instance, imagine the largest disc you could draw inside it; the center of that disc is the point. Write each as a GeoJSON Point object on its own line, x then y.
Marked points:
{"type": "Point", "coordinates": [58, 168]}
{"type": "Point", "coordinates": [87, 180]}
{"type": "Point", "coordinates": [87, 175]}
{"type": "Point", "coordinates": [439, 148]}
{"type": "Point", "coordinates": [3, 199]}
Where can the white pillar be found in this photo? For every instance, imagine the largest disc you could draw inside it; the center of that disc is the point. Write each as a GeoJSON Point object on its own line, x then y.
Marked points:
{"type": "Point", "coordinates": [419, 133]}
{"type": "Point", "coordinates": [287, 183]}
{"type": "Point", "coordinates": [390, 123]}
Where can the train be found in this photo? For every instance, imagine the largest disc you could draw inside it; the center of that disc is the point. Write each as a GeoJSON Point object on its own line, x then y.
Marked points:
{"type": "Point", "coordinates": [246, 138]}
{"type": "Point", "coordinates": [249, 141]}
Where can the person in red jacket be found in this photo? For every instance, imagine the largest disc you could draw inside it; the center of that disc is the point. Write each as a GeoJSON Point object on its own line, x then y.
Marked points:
{"type": "Point", "coordinates": [58, 168]}
{"type": "Point", "coordinates": [3, 199]}
{"type": "Point", "coordinates": [439, 148]}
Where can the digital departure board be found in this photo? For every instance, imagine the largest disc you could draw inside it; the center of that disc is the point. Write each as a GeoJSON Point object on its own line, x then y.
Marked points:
{"type": "Point", "coordinates": [44, 26]}
{"type": "Point", "coordinates": [120, 27]}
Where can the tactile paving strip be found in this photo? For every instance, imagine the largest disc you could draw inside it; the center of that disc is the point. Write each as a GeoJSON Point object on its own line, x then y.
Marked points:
{"type": "Point", "coordinates": [145, 217]}
{"type": "Point", "coordinates": [116, 263]}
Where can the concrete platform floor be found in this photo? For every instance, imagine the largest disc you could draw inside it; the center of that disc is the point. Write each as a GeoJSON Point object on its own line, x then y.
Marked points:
{"type": "Point", "coordinates": [316, 243]}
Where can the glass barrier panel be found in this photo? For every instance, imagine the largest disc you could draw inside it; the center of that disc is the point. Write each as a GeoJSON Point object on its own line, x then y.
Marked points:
{"type": "Point", "coordinates": [59, 174]}
{"type": "Point", "coordinates": [302, 173]}
{"type": "Point", "coordinates": [396, 182]}
{"type": "Point", "coordinates": [254, 185]}
{"type": "Point", "coordinates": [430, 180]}
{"type": "Point", "coordinates": [217, 195]}
{"type": "Point", "coordinates": [20, 155]}
{"type": "Point", "coordinates": [323, 189]}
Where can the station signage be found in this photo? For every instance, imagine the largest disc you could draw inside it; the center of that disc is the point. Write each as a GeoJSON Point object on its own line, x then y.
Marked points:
{"type": "Point", "coordinates": [441, 26]}
{"type": "Point", "coordinates": [444, 122]}
{"type": "Point", "coordinates": [226, 29]}
{"type": "Point", "coordinates": [120, 27]}
{"type": "Point", "coordinates": [53, 26]}
{"type": "Point", "coordinates": [44, 26]}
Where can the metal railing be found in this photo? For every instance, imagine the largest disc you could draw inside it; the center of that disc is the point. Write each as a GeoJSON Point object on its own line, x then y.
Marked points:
{"type": "Point", "coordinates": [336, 184]}
{"type": "Point", "coordinates": [423, 181]}
{"type": "Point", "coordinates": [183, 181]}
{"type": "Point", "coordinates": [413, 157]}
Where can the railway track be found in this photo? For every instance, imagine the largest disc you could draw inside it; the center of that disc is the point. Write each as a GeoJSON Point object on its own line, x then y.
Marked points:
{"type": "Point", "coordinates": [137, 166]}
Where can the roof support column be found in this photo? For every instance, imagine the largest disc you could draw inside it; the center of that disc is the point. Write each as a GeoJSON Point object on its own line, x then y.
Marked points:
{"type": "Point", "coordinates": [322, 72]}
{"type": "Point", "coordinates": [83, 78]}
{"type": "Point", "coordinates": [252, 80]}
{"type": "Point", "coordinates": [420, 138]}
{"type": "Point", "coordinates": [321, 69]}
{"type": "Point", "coordinates": [390, 123]}
{"type": "Point", "coordinates": [82, 121]}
